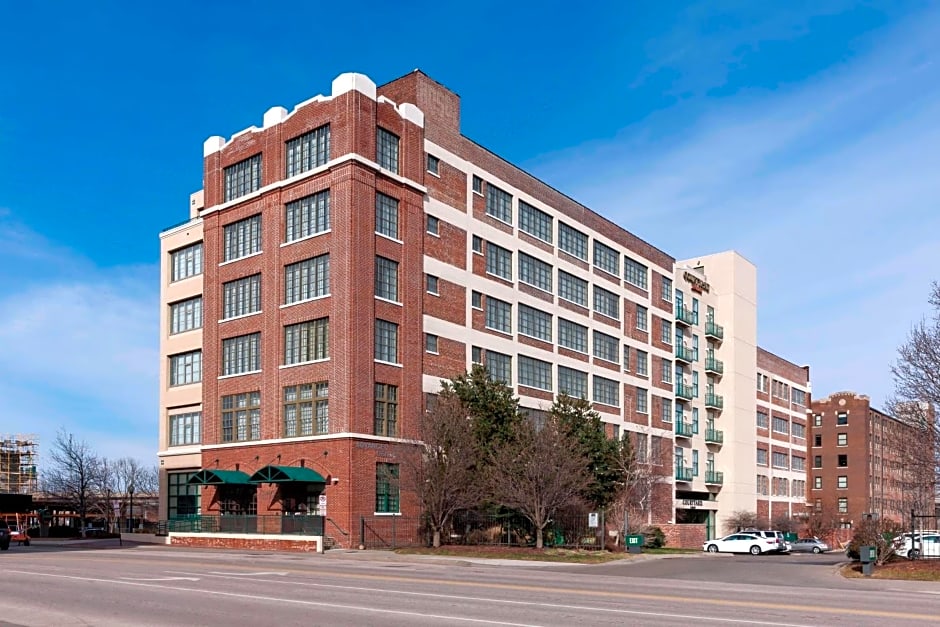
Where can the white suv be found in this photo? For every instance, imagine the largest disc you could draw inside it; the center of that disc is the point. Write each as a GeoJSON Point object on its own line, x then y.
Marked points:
{"type": "Point", "coordinates": [782, 545]}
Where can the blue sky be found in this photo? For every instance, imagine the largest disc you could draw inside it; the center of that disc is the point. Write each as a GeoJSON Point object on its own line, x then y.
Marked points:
{"type": "Point", "coordinates": [802, 134]}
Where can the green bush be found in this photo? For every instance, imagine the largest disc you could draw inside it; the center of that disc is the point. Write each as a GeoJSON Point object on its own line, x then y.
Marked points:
{"type": "Point", "coordinates": [654, 538]}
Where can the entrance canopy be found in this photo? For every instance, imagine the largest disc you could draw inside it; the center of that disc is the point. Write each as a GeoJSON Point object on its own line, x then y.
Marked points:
{"type": "Point", "coordinates": [219, 477]}
{"type": "Point", "coordinates": [287, 474]}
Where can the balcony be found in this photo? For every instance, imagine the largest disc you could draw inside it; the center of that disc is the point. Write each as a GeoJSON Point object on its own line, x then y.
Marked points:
{"type": "Point", "coordinates": [715, 366]}
{"type": "Point", "coordinates": [683, 428]}
{"type": "Point", "coordinates": [685, 316]}
{"type": "Point", "coordinates": [713, 477]}
{"type": "Point", "coordinates": [714, 401]}
{"type": "Point", "coordinates": [714, 436]}
{"type": "Point", "coordinates": [684, 353]}
{"type": "Point", "coordinates": [714, 330]}
{"type": "Point", "coordinates": [683, 474]}
{"type": "Point", "coordinates": [684, 391]}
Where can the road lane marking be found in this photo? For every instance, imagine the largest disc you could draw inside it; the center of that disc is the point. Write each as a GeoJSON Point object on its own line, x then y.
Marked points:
{"type": "Point", "coordinates": [258, 597]}
{"type": "Point", "coordinates": [279, 573]}
{"type": "Point", "coordinates": [160, 578]}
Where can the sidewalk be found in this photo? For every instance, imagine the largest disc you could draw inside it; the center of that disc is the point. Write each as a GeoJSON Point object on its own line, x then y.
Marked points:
{"type": "Point", "coordinates": [457, 560]}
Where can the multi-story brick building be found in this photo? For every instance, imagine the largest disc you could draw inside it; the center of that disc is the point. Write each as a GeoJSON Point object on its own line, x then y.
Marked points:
{"type": "Point", "coordinates": [347, 255]}
{"type": "Point", "coordinates": [865, 462]}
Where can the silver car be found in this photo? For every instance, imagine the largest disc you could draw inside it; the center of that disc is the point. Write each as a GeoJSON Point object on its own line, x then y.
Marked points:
{"type": "Point", "coordinates": [809, 545]}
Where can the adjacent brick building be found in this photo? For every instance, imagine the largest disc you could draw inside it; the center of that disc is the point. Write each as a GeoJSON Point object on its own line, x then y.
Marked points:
{"type": "Point", "coordinates": [348, 254]}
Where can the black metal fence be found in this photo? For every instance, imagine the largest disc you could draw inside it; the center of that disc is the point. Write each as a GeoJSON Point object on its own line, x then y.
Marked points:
{"type": "Point", "coordinates": [308, 525]}
{"type": "Point", "coordinates": [923, 537]}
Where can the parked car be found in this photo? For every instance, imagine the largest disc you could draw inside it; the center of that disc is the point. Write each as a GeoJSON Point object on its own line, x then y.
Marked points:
{"type": "Point", "coordinates": [19, 535]}
{"type": "Point", "coordinates": [809, 545]}
{"type": "Point", "coordinates": [782, 545]}
{"type": "Point", "coordinates": [4, 536]}
{"type": "Point", "coordinates": [742, 543]}
{"type": "Point", "coordinates": [921, 545]}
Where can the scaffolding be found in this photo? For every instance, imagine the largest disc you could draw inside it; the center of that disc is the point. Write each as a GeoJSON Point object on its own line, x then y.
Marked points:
{"type": "Point", "coordinates": [19, 457]}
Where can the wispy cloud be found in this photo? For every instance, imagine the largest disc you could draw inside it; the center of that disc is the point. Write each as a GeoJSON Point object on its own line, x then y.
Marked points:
{"type": "Point", "coordinates": [829, 186]}
{"type": "Point", "coordinates": [79, 346]}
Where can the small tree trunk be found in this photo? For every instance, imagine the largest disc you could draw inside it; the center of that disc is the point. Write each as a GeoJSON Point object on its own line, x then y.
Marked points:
{"type": "Point", "coordinates": [538, 538]}
{"type": "Point", "coordinates": [437, 538]}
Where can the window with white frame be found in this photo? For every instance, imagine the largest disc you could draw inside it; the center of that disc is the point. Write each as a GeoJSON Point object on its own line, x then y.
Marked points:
{"type": "Point", "coordinates": [842, 482]}
{"type": "Point", "coordinates": [843, 505]}
{"type": "Point", "coordinates": [477, 184]}
{"type": "Point", "coordinates": [798, 430]}
{"type": "Point", "coordinates": [498, 315]}
{"type": "Point", "coordinates": [535, 222]}
{"type": "Point", "coordinates": [797, 463]}
{"type": "Point", "coordinates": [763, 420]}
{"type": "Point", "coordinates": [666, 410]}
{"type": "Point", "coordinates": [476, 299]}
{"type": "Point", "coordinates": [798, 397]}
{"type": "Point", "coordinates": [535, 323]}
{"type": "Point", "coordinates": [186, 368]}
{"type": "Point", "coordinates": [780, 460]}
{"type": "Point", "coordinates": [606, 347]}
{"type": "Point", "coordinates": [572, 382]}
{"type": "Point", "coordinates": [763, 382]}
{"type": "Point", "coordinates": [241, 297]}
{"type": "Point", "coordinates": [498, 261]}
{"type": "Point", "coordinates": [307, 341]}
{"type": "Point", "coordinates": [186, 315]}
{"type": "Point", "coordinates": [642, 363]}
{"type": "Point", "coordinates": [306, 409]}
{"type": "Point", "coordinates": [307, 279]}
{"type": "Point", "coordinates": [432, 284]}
{"type": "Point", "coordinates": [761, 457]}
{"type": "Point", "coordinates": [572, 288]}
{"type": "Point", "coordinates": [535, 373]}
{"type": "Point", "coordinates": [242, 178]}
{"type": "Point", "coordinates": [241, 417]}
{"type": "Point", "coordinates": [433, 225]}
{"type": "Point", "coordinates": [434, 165]}
{"type": "Point", "coordinates": [499, 366]}
{"type": "Point", "coordinates": [242, 238]}
{"type": "Point", "coordinates": [185, 428]}
{"type": "Point", "coordinates": [307, 216]}
{"type": "Point", "coordinates": [309, 151]}
{"type": "Point", "coordinates": [572, 335]}
{"type": "Point", "coordinates": [606, 391]}
{"type": "Point", "coordinates": [642, 401]}
{"type": "Point", "coordinates": [642, 318]}
{"type": "Point", "coordinates": [781, 425]}
{"type": "Point", "coordinates": [430, 343]}
{"type": "Point", "coordinates": [186, 262]}
{"type": "Point", "coordinates": [386, 410]}
{"type": "Point", "coordinates": [666, 293]}
{"type": "Point", "coordinates": [498, 204]}
{"type": "Point", "coordinates": [763, 485]}
{"type": "Point", "coordinates": [241, 354]}
{"type": "Point", "coordinates": [572, 241]}
{"type": "Point", "coordinates": [535, 272]}
{"type": "Point", "coordinates": [386, 149]}
{"type": "Point", "coordinates": [386, 341]}
{"type": "Point", "coordinates": [606, 258]}
{"type": "Point", "coordinates": [386, 278]}
{"type": "Point", "coordinates": [606, 303]}
{"type": "Point", "coordinates": [665, 332]}
{"type": "Point", "coordinates": [386, 215]}
{"type": "Point", "coordinates": [842, 439]}
{"type": "Point", "coordinates": [666, 370]}
{"type": "Point", "coordinates": [635, 273]}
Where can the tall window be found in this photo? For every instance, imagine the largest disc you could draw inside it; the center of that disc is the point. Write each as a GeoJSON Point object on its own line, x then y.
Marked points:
{"type": "Point", "coordinates": [186, 262]}
{"type": "Point", "coordinates": [241, 417]}
{"type": "Point", "coordinates": [606, 258]}
{"type": "Point", "coordinates": [535, 222]}
{"type": "Point", "coordinates": [498, 315]}
{"type": "Point", "coordinates": [498, 261]}
{"type": "Point", "coordinates": [642, 318]}
{"type": "Point", "coordinates": [307, 341]}
{"type": "Point", "coordinates": [386, 488]}
{"type": "Point", "coordinates": [666, 294]}
{"type": "Point", "coordinates": [186, 368]}
{"type": "Point", "coordinates": [186, 315]}
{"type": "Point", "coordinates": [761, 457]}
{"type": "Point", "coordinates": [498, 204]}
{"type": "Point", "coordinates": [386, 341]}
{"type": "Point", "coordinates": [843, 505]}
{"type": "Point", "coordinates": [499, 366]}
{"type": "Point", "coordinates": [386, 149]}
{"type": "Point", "coordinates": [241, 297]}
{"type": "Point", "coordinates": [798, 463]}
{"type": "Point", "coordinates": [182, 497]}
{"type": "Point", "coordinates": [606, 303]}
{"type": "Point", "coordinates": [842, 418]}
{"type": "Point", "coordinates": [242, 238]}
{"type": "Point", "coordinates": [386, 409]}
{"type": "Point", "coordinates": [535, 272]}
{"type": "Point", "coordinates": [572, 241]}
{"type": "Point", "coordinates": [535, 373]}
{"type": "Point", "coordinates": [635, 272]}
{"type": "Point", "coordinates": [241, 354]}
{"type": "Point", "coordinates": [535, 323]}
{"type": "Point", "coordinates": [185, 428]}
{"type": "Point", "coordinates": [763, 420]}
{"type": "Point", "coordinates": [667, 370]}
{"type": "Point", "coordinates": [307, 279]}
{"type": "Point", "coordinates": [434, 165]}
{"type": "Point", "coordinates": [308, 151]}
{"type": "Point", "coordinates": [308, 216]}
{"type": "Point", "coordinates": [642, 363]}
{"type": "Point", "coordinates": [433, 225]}
{"type": "Point", "coordinates": [242, 178]}
{"type": "Point", "coordinates": [666, 410]}
{"type": "Point", "coordinates": [606, 347]}
{"type": "Point", "coordinates": [572, 382]}
{"type": "Point", "coordinates": [606, 391]}
{"type": "Point", "coordinates": [665, 334]}
{"type": "Point", "coordinates": [642, 401]}
{"type": "Point", "coordinates": [386, 215]}
{"type": "Point", "coordinates": [842, 439]}
{"type": "Point", "coordinates": [386, 279]}
{"type": "Point", "coordinates": [306, 409]}
{"type": "Point", "coordinates": [572, 335]}
{"type": "Point", "coordinates": [842, 482]}
{"type": "Point", "coordinates": [572, 288]}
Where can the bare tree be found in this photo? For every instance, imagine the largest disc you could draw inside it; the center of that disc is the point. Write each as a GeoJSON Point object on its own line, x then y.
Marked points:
{"type": "Point", "coordinates": [537, 471]}
{"type": "Point", "coordinates": [443, 471]}
{"type": "Point", "coordinates": [742, 519]}
{"type": "Point", "coordinates": [821, 522]}
{"type": "Point", "coordinates": [876, 532]}
{"type": "Point", "coordinates": [638, 472]}
{"type": "Point", "coordinates": [73, 474]}
{"type": "Point", "coordinates": [785, 523]}
{"type": "Point", "coordinates": [132, 477]}
{"type": "Point", "coordinates": [104, 489]}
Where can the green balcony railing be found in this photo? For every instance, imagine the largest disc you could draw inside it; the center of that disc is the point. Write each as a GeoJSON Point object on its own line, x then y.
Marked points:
{"type": "Point", "coordinates": [683, 428]}
{"type": "Point", "coordinates": [714, 477]}
{"type": "Point", "coordinates": [714, 401]}
{"type": "Point", "coordinates": [684, 353]}
{"type": "Point", "coordinates": [714, 365]}
{"type": "Point", "coordinates": [685, 315]}
{"type": "Point", "coordinates": [684, 391]}
{"type": "Point", "coordinates": [714, 436]}
{"type": "Point", "coordinates": [714, 330]}
{"type": "Point", "coordinates": [683, 473]}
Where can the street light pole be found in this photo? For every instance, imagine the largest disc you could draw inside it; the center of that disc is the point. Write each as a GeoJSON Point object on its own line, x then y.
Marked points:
{"type": "Point", "coordinates": [130, 523]}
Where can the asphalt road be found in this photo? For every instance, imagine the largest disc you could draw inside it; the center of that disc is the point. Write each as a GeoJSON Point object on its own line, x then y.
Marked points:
{"type": "Point", "coordinates": [149, 585]}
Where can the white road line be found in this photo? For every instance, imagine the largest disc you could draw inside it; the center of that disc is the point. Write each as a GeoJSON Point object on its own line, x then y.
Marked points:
{"type": "Point", "coordinates": [255, 597]}
{"type": "Point", "coordinates": [456, 597]}
{"type": "Point", "coordinates": [160, 578]}
{"type": "Point", "coordinates": [280, 574]}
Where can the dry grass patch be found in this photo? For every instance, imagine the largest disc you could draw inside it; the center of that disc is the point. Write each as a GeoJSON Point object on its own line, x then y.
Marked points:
{"type": "Point", "coordinates": [911, 570]}
{"type": "Point", "coordinates": [520, 553]}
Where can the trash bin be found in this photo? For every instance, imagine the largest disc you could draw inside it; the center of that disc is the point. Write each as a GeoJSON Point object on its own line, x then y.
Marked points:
{"type": "Point", "coordinates": [635, 544]}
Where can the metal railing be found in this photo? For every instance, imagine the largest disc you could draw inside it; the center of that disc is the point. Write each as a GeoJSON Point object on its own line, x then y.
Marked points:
{"type": "Point", "coordinates": [714, 401]}
{"type": "Point", "coordinates": [683, 473]}
{"type": "Point", "coordinates": [273, 524]}
{"type": "Point", "coordinates": [683, 314]}
{"type": "Point", "coordinates": [714, 436]}
{"type": "Point", "coordinates": [714, 365]}
{"type": "Point", "coordinates": [714, 330]}
{"type": "Point", "coordinates": [684, 391]}
{"type": "Point", "coordinates": [714, 477]}
{"type": "Point", "coordinates": [683, 428]}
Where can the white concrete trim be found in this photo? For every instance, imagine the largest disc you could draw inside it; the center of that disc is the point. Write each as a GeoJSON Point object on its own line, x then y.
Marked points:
{"type": "Point", "coordinates": [390, 302]}
{"type": "Point", "coordinates": [306, 237]}
{"type": "Point", "coordinates": [247, 315]}
{"type": "Point", "coordinates": [237, 374]}
{"type": "Point", "coordinates": [353, 81]}
{"type": "Point", "coordinates": [303, 363]}
{"type": "Point", "coordinates": [301, 302]}
{"type": "Point", "coordinates": [309, 438]}
{"type": "Point", "coordinates": [274, 116]}
{"type": "Point", "coordinates": [180, 228]}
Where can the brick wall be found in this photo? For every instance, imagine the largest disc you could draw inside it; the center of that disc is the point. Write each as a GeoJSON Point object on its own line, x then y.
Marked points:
{"type": "Point", "coordinates": [684, 536]}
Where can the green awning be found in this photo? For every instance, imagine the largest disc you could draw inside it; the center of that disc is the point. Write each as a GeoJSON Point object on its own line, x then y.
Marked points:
{"type": "Point", "coordinates": [219, 477]}
{"type": "Point", "coordinates": [287, 474]}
